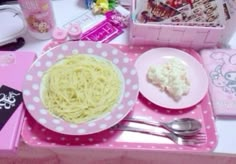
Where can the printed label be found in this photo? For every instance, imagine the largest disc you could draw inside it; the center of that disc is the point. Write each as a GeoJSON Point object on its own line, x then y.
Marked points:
{"type": "Point", "coordinates": [10, 99]}
{"type": "Point", "coordinates": [103, 32]}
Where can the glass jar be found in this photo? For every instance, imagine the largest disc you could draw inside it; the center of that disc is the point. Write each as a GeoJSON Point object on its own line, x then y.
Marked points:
{"type": "Point", "coordinates": [39, 17]}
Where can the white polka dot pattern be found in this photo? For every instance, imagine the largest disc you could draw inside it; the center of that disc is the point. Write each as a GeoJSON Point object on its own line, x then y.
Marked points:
{"type": "Point", "coordinates": [37, 64]}
{"type": "Point", "coordinates": [108, 118]}
{"type": "Point", "coordinates": [59, 128]}
{"type": "Point", "coordinates": [104, 54]}
{"type": "Point", "coordinates": [36, 99]}
{"type": "Point", "coordinates": [75, 51]}
{"type": "Point", "coordinates": [30, 107]}
{"type": "Point", "coordinates": [48, 63]}
{"type": "Point", "coordinates": [29, 77]}
{"type": "Point", "coordinates": [43, 111]}
{"type": "Point", "coordinates": [64, 47]}
{"type": "Point", "coordinates": [42, 120]}
{"type": "Point", "coordinates": [35, 86]}
{"type": "Point", "coordinates": [56, 121]}
{"type": "Point", "coordinates": [31, 91]}
{"type": "Point", "coordinates": [115, 61]}
{"type": "Point", "coordinates": [99, 45]}
{"type": "Point", "coordinates": [81, 44]}
{"type": "Point", "coordinates": [60, 56]}
{"type": "Point", "coordinates": [119, 116]}
{"type": "Point", "coordinates": [124, 69]}
{"type": "Point", "coordinates": [50, 54]}
{"type": "Point", "coordinates": [81, 131]}
{"type": "Point", "coordinates": [26, 92]}
{"type": "Point", "coordinates": [92, 124]}
{"type": "Point", "coordinates": [73, 126]}
{"type": "Point", "coordinates": [128, 81]}
{"type": "Point", "coordinates": [114, 51]}
{"type": "Point", "coordinates": [90, 51]}
{"type": "Point", "coordinates": [103, 126]}
{"type": "Point", "coordinates": [40, 74]}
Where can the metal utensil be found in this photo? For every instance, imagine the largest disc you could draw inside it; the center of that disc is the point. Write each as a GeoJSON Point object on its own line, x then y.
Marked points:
{"type": "Point", "coordinates": [183, 126]}
{"type": "Point", "coordinates": [181, 140]}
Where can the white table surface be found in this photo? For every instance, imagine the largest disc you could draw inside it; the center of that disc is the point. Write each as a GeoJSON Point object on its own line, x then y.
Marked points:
{"type": "Point", "coordinates": [66, 10]}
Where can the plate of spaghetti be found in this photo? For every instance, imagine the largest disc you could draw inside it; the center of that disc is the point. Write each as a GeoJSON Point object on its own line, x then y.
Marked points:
{"type": "Point", "coordinates": [80, 88]}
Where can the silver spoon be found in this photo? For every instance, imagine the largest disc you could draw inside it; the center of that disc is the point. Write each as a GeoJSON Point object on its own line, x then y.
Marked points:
{"type": "Point", "coordinates": [183, 126]}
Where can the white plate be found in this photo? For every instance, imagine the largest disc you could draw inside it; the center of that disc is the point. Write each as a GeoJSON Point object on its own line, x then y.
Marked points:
{"type": "Point", "coordinates": [31, 88]}
{"type": "Point", "coordinates": [195, 72]}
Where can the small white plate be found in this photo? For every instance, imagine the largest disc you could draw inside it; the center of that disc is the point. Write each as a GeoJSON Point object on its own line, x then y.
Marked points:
{"type": "Point", "coordinates": [195, 72]}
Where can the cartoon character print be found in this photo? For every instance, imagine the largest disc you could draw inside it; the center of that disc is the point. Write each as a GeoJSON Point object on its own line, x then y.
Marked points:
{"type": "Point", "coordinates": [43, 27]}
{"type": "Point", "coordinates": [224, 74]}
{"type": "Point", "coordinates": [38, 25]}
{"type": "Point", "coordinates": [32, 22]}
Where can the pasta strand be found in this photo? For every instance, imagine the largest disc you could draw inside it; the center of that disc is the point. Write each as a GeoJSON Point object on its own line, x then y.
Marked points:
{"type": "Point", "coordinates": [80, 88]}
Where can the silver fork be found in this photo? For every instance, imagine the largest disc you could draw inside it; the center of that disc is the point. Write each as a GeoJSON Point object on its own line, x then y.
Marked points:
{"type": "Point", "coordinates": [195, 140]}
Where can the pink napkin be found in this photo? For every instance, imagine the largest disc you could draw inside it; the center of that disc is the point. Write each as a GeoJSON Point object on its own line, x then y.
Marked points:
{"type": "Point", "coordinates": [221, 67]}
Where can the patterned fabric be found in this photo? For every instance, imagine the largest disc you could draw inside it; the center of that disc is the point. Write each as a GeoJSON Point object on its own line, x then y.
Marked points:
{"type": "Point", "coordinates": [221, 67]}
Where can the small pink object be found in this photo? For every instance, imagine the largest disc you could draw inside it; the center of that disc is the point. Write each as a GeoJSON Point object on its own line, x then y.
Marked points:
{"type": "Point", "coordinates": [74, 31]}
{"type": "Point", "coordinates": [59, 35]}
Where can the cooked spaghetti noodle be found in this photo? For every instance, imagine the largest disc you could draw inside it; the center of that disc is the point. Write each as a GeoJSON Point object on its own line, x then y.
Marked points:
{"type": "Point", "coordinates": [80, 88]}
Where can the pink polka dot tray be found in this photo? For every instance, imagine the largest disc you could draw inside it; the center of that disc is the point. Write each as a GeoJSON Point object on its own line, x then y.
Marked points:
{"type": "Point", "coordinates": [35, 134]}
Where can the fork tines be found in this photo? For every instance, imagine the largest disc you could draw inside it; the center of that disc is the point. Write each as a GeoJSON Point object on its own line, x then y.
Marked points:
{"type": "Point", "coordinates": [197, 139]}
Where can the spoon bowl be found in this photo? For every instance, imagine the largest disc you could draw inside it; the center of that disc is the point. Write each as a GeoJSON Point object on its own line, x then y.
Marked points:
{"type": "Point", "coordinates": [183, 124]}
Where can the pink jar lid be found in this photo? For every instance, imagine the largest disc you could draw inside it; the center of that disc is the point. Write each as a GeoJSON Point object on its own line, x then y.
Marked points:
{"type": "Point", "coordinates": [74, 31]}
{"type": "Point", "coordinates": [59, 34]}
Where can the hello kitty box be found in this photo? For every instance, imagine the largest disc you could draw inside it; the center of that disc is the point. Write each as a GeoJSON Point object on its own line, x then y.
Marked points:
{"type": "Point", "coordinates": [179, 23]}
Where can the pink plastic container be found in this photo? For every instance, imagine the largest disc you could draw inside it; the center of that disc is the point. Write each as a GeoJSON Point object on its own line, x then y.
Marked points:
{"type": "Point", "coordinates": [169, 35]}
